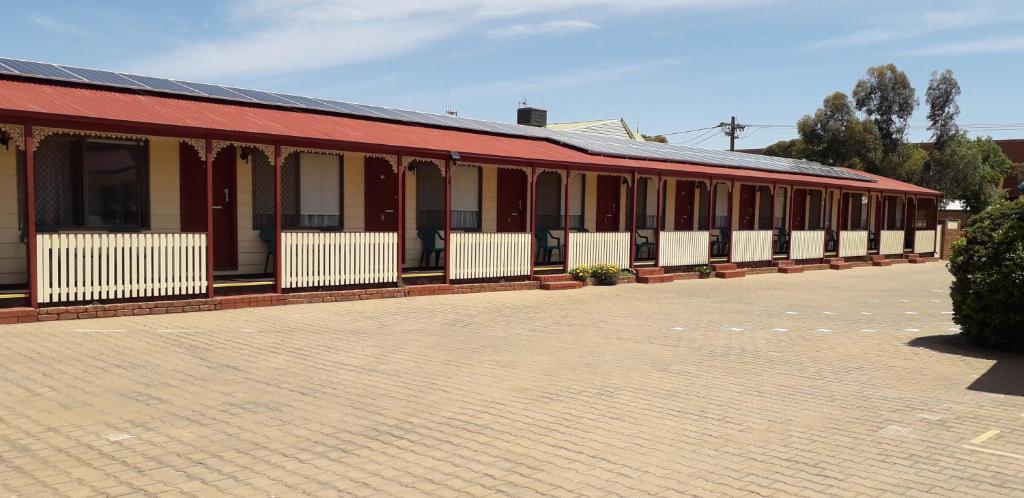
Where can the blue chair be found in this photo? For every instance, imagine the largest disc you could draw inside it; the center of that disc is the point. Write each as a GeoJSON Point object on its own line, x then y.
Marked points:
{"type": "Point", "coordinates": [430, 237]}
{"type": "Point", "coordinates": [545, 248]}
{"type": "Point", "coordinates": [268, 236]}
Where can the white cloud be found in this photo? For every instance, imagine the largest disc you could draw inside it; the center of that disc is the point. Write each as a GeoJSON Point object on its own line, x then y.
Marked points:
{"type": "Point", "coordinates": [921, 24]}
{"type": "Point", "coordinates": [55, 26]}
{"type": "Point", "coordinates": [994, 45]}
{"type": "Point", "coordinates": [574, 78]}
{"type": "Point", "coordinates": [550, 27]}
{"type": "Point", "coordinates": [281, 36]}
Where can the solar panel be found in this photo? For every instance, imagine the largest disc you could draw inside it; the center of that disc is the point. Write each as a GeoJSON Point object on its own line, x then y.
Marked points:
{"type": "Point", "coordinates": [262, 97]}
{"type": "Point", "coordinates": [594, 144]}
{"type": "Point", "coordinates": [164, 85]}
{"type": "Point", "coordinates": [101, 77]}
{"type": "Point", "coordinates": [29, 68]}
{"type": "Point", "coordinates": [215, 91]}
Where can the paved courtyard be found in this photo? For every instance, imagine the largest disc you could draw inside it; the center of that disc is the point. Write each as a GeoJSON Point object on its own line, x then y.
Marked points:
{"type": "Point", "coordinates": [825, 383]}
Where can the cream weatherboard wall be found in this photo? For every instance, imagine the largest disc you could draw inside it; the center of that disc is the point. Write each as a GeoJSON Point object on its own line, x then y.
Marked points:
{"type": "Point", "coordinates": [354, 177]}
{"type": "Point", "coordinates": [488, 199]}
{"type": "Point", "coordinates": [13, 256]}
{"type": "Point", "coordinates": [164, 185]}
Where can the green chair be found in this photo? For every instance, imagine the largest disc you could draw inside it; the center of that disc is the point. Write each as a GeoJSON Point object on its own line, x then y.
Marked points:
{"type": "Point", "coordinates": [644, 246]}
{"type": "Point", "coordinates": [720, 244]}
{"type": "Point", "coordinates": [430, 236]}
{"type": "Point", "coordinates": [268, 236]}
{"type": "Point", "coordinates": [544, 246]}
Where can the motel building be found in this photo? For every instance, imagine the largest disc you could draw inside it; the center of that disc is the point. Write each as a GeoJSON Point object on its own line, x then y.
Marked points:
{"type": "Point", "coordinates": [124, 194]}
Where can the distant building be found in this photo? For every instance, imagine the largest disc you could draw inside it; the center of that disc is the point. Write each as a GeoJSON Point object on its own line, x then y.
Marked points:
{"type": "Point", "coordinates": [605, 127]}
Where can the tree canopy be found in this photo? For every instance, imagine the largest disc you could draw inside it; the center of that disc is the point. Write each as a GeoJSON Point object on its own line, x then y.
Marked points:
{"type": "Point", "coordinates": [886, 96]}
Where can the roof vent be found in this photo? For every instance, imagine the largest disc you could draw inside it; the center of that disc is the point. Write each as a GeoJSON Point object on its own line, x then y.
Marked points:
{"type": "Point", "coordinates": [531, 116]}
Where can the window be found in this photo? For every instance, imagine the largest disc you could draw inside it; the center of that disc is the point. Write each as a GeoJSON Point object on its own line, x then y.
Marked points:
{"type": "Point", "coordinates": [312, 187]}
{"type": "Point", "coordinates": [893, 213]}
{"type": "Point", "coordinates": [320, 186]}
{"type": "Point", "coordinates": [466, 198]}
{"type": "Point", "coordinates": [858, 212]}
{"type": "Point", "coordinates": [721, 206]}
{"type": "Point", "coordinates": [92, 183]}
{"type": "Point", "coordinates": [781, 198]}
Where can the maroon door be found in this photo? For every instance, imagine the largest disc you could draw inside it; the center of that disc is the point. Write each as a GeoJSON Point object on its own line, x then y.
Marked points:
{"type": "Point", "coordinates": [192, 190]}
{"type": "Point", "coordinates": [685, 190]}
{"type": "Point", "coordinates": [512, 187]}
{"type": "Point", "coordinates": [608, 203]}
{"type": "Point", "coordinates": [225, 211]}
{"type": "Point", "coordinates": [799, 209]}
{"type": "Point", "coordinates": [878, 214]}
{"type": "Point", "coordinates": [380, 196]}
{"type": "Point", "coordinates": [748, 206]}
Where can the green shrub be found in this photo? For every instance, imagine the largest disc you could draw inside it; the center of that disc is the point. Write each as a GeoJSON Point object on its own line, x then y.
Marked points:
{"type": "Point", "coordinates": [606, 274]}
{"type": "Point", "coordinates": [988, 270]}
{"type": "Point", "coordinates": [581, 273]}
{"type": "Point", "coordinates": [704, 270]}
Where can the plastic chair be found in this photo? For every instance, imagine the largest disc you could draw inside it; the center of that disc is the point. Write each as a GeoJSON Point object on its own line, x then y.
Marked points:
{"type": "Point", "coordinates": [545, 248]}
{"type": "Point", "coordinates": [429, 237]}
{"type": "Point", "coordinates": [644, 245]}
{"type": "Point", "coordinates": [720, 243]}
{"type": "Point", "coordinates": [268, 236]}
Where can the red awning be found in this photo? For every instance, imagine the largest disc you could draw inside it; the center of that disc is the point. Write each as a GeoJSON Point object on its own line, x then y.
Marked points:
{"type": "Point", "coordinates": [187, 117]}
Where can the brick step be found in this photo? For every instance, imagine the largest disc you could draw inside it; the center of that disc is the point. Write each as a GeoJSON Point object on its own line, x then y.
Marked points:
{"type": "Point", "coordinates": [648, 271]}
{"type": "Point", "coordinates": [562, 285]}
{"type": "Point", "coordinates": [733, 273]}
{"type": "Point", "coordinates": [790, 269]}
{"type": "Point", "coordinates": [429, 289]}
{"type": "Point", "coordinates": [554, 277]}
{"type": "Point", "coordinates": [840, 266]}
{"type": "Point", "coordinates": [783, 263]}
{"type": "Point", "coordinates": [881, 262]}
{"type": "Point", "coordinates": [858, 264]}
{"type": "Point", "coordinates": [654, 279]}
{"type": "Point", "coordinates": [830, 261]}
{"type": "Point", "coordinates": [723, 266]}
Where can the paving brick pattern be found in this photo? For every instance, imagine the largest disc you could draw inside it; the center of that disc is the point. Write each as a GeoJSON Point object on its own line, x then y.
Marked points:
{"type": "Point", "coordinates": [792, 385]}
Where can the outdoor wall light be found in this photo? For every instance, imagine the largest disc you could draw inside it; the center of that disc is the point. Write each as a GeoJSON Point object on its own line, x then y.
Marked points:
{"type": "Point", "coordinates": [455, 155]}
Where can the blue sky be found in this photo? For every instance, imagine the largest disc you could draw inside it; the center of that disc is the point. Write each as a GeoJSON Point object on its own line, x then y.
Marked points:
{"type": "Point", "coordinates": [665, 65]}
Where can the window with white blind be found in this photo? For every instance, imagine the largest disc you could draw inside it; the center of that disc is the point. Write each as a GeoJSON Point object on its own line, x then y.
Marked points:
{"type": "Point", "coordinates": [320, 190]}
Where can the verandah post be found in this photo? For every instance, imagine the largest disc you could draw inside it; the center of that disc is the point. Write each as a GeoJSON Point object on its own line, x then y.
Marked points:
{"type": "Point", "coordinates": [278, 252]}
{"type": "Point", "coordinates": [533, 218]}
{"type": "Point", "coordinates": [447, 220]}
{"type": "Point", "coordinates": [632, 222]}
{"type": "Point", "coordinates": [400, 225]}
{"type": "Point", "coordinates": [732, 234]}
{"type": "Point", "coordinates": [712, 201]}
{"type": "Point", "coordinates": [565, 222]}
{"type": "Point", "coordinates": [788, 225]}
{"type": "Point", "coordinates": [772, 223]}
{"type": "Point", "coordinates": [30, 216]}
{"type": "Point", "coordinates": [843, 216]}
{"type": "Point", "coordinates": [209, 218]}
{"type": "Point", "coordinates": [825, 224]}
{"type": "Point", "coordinates": [658, 225]}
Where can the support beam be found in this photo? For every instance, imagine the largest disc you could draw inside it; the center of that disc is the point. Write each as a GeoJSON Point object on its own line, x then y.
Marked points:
{"type": "Point", "coordinates": [400, 226]}
{"type": "Point", "coordinates": [772, 222]}
{"type": "Point", "coordinates": [712, 193]}
{"type": "Point", "coordinates": [632, 222]}
{"type": "Point", "coordinates": [843, 216]}
{"type": "Point", "coordinates": [30, 216]}
{"type": "Point", "coordinates": [209, 217]}
{"type": "Point", "coordinates": [278, 276]}
{"type": "Point", "coordinates": [447, 220]}
{"type": "Point", "coordinates": [533, 218]}
{"type": "Point", "coordinates": [732, 186]}
{"type": "Point", "coordinates": [565, 221]}
{"type": "Point", "coordinates": [788, 213]}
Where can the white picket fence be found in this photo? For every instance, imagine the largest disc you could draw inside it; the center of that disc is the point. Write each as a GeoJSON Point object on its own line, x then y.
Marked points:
{"type": "Point", "coordinates": [683, 248]}
{"type": "Point", "coordinates": [892, 242]}
{"type": "Point", "coordinates": [591, 248]}
{"type": "Point", "coordinates": [807, 244]}
{"type": "Point", "coordinates": [751, 245]}
{"type": "Point", "coordinates": [489, 255]}
{"type": "Point", "coordinates": [924, 241]}
{"type": "Point", "coordinates": [853, 243]}
{"type": "Point", "coordinates": [75, 267]}
{"type": "Point", "coordinates": [323, 259]}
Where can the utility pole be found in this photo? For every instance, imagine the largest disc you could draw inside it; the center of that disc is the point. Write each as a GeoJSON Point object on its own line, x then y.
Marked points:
{"type": "Point", "coordinates": [732, 130]}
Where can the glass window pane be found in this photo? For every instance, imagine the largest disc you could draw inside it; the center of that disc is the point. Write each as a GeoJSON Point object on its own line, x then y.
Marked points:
{"type": "Point", "coordinates": [319, 190]}
{"type": "Point", "coordinates": [114, 183]}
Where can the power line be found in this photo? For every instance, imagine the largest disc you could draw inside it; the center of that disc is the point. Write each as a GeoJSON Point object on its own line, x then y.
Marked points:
{"type": "Point", "coordinates": [709, 132]}
{"type": "Point", "coordinates": [688, 131]}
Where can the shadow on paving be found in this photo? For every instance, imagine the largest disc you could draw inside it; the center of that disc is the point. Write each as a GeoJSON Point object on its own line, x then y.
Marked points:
{"type": "Point", "coordinates": [1006, 376]}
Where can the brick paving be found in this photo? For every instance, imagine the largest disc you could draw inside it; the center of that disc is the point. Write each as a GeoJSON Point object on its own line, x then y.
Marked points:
{"type": "Point", "coordinates": [823, 383]}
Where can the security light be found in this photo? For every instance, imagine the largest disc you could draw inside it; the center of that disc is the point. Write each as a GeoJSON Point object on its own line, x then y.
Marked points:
{"type": "Point", "coordinates": [455, 155]}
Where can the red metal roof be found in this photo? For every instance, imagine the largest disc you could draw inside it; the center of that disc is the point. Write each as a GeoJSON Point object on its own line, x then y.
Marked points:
{"type": "Point", "coordinates": [187, 117]}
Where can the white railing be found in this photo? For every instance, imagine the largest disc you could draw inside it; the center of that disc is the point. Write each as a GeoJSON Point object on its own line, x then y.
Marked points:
{"type": "Point", "coordinates": [683, 248]}
{"type": "Point", "coordinates": [892, 242]}
{"type": "Point", "coordinates": [488, 255]}
{"type": "Point", "coordinates": [751, 245]}
{"type": "Point", "coordinates": [853, 243]}
{"type": "Point", "coordinates": [320, 259]}
{"type": "Point", "coordinates": [924, 241]}
{"type": "Point", "coordinates": [601, 247]}
{"type": "Point", "coordinates": [97, 266]}
{"type": "Point", "coordinates": [807, 244]}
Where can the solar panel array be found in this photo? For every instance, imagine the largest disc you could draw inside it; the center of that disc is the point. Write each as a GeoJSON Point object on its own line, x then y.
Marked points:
{"type": "Point", "coordinates": [609, 146]}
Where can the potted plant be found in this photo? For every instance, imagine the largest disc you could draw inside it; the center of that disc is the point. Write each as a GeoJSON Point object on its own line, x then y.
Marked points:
{"type": "Point", "coordinates": [606, 274]}
{"type": "Point", "coordinates": [581, 273]}
{"type": "Point", "coordinates": [704, 271]}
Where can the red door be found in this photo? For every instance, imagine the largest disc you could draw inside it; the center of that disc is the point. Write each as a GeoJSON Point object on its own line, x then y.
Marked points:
{"type": "Point", "coordinates": [512, 186]}
{"type": "Point", "coordinates": [799, 208]}
{"type": "Point", "coordinates": [192, 190]}
{"type": "Point", "coordinates": [380, 194]}
{"type": "Point", "coordinates": [225, 211]}
{"type": "Point", "coordinates": [748, 206]}
{"type": "Point", "coordinates": [685, 190]}
{"type": "Point", "coordinates": [608, 198]}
